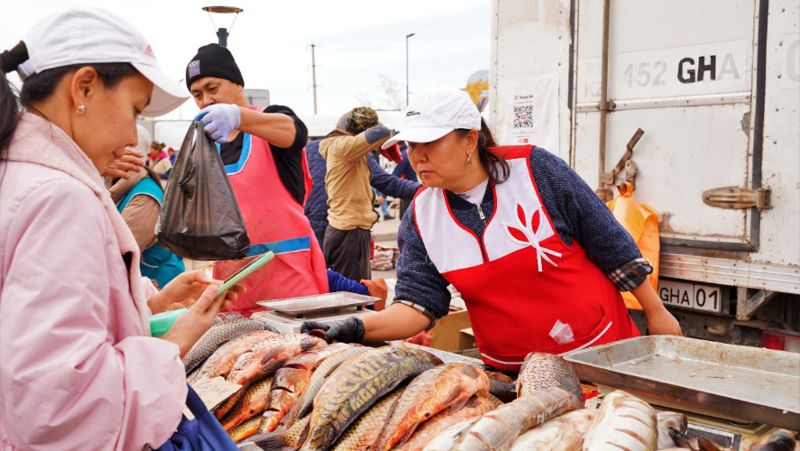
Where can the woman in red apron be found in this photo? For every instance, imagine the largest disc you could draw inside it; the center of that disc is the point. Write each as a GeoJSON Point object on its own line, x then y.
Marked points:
{"type": "Point", "coordinates": [537, 257]}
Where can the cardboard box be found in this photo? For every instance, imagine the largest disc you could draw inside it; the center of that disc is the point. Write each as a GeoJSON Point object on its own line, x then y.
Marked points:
{"type": "Point", "coordinates": [447, 330]}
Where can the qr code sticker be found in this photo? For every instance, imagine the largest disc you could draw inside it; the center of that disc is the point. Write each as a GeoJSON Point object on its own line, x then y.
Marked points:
{"type": "Point", "coordinates": [523, 116]}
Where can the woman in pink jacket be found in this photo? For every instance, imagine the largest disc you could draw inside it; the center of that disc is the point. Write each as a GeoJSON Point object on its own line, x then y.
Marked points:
{"type": "Point", "coordinates": [78, 367]}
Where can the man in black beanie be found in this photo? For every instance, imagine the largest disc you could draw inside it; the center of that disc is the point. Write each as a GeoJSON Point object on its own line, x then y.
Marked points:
{"type": "Point", "coordinates": [262, 149]}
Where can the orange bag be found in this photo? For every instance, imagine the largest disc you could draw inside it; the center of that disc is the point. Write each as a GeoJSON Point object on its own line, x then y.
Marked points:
{"type": "Point", "coordinates": [641, 221]}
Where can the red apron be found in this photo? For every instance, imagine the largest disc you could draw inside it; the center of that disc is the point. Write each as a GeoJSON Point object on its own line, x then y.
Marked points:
{"type": "Point", "coordinates": [274, 221]}
{"type": "Point", "coordinates": [524, 288]}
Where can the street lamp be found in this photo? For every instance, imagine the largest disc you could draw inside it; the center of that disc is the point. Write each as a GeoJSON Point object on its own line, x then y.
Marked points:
{"type": "Point", "coordinates": [222, 33]}
{"type": "Point", "coordinates": [407, 37]}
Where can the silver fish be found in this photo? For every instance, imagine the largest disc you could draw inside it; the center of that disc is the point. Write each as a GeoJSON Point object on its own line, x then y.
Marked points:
{"type": "Point", "coordinates": [498, 429]}
{"type": "Point", "coordinates": [622, 422]}
{"type": "Point", "coordinates": [444, 440]}
{"type": "Point", "coordinates": [218, 334]}
{"type": "Point", "coordinates": [564, 433]}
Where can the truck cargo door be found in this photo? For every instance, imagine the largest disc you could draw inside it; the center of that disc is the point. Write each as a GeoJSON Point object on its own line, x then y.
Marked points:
{"type": "Point", "coordinates": [686, 73]}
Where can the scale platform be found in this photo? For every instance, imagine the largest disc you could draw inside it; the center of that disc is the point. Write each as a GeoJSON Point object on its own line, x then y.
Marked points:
{"type": "Point", "coordinates": [287, 315]}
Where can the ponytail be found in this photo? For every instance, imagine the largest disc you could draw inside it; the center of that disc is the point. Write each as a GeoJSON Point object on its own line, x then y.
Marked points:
{"type": "Point", "coordinates": [9, 104]}
{"type": "Point", "coordinates": [496, 166]}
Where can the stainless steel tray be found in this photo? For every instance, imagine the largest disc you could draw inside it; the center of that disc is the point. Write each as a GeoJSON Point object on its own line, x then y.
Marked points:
{"type": "Point", "coordinates": [728, 381]}
{"type": "Point", "coordinates": [308, 305]}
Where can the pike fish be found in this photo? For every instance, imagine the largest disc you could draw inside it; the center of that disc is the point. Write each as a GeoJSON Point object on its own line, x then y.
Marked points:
{"type": "Point", "coordinates": [429, 393]}
{"type": "Point", "coordinates": [264, 359]}
{"type": "Point", "coordinates": [221, 361]}
{"type": "Point", "coordinates": [252, 403]}
{"type": "Point", "coordinates": [246, 429]}
{"type": "Point", "coordinates": [541, 370]}
{"type": "Point", "coordinates": [364, 432]}
{"type": "Point", "coordinates": [498, 429]}
{"type": "Point", "coordinates": [218, 334]}
{"type": "Point", "coordinates": [427, 431]}
{"type": "Point", "coordinates": [666, 421]}
{"type": "Point", "coordinates": [323, 371]}
{"type": "Point", "coordinates": [622, 422]}
{"type": "Point", "coordinates": [354, 387]}
{"type": "Point", "coordinates": [564, 433]}
{"type": "Point", "coordinates": [289, 385]}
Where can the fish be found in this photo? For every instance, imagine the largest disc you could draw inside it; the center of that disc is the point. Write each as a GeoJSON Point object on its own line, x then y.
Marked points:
{"type": "Point", "coordinates": [246, 429]}
{"type": "Point", "coordinates": [502, 386]}
{"type": "Point", "coordinates": [429, 393]}
{"type": "Point", "coordinates": [427, 431]}
{"type": "Point", "coordinates": [362, 434]}
{"type": "Point", "coordinates": [354, 387]}
{"type": "Point", "coordinates": [498, 429]}
{"type": "Point", "coordinates": [221, 361]}
{"type": "Point", "coordinates": [264, 359]}
{"type": "Point", "coordinates": [541, 370]}
{"type": "Point", "coordinates": [288, 439]}
{"type": "Point", "coordinates": [288, 387]}
{"type": "Point", "coordinates": [564, 433]}
{"type": "Point", "coordinates": [780, 440]}
{"type": "Point", "coordinates": [252, 403]}
{"type": "Point", "coordinates": [221, 332]}
{"type": "Point", "coordinates": [322, 372]}
{"type": "Point", "coordinates": [445, 439]}
{"type": "Point", "coordinates": [666, 421]}
{"type": "Point", "coordinates": [622, 422]}
{"type": "Point", "coordinates": [310, 360]}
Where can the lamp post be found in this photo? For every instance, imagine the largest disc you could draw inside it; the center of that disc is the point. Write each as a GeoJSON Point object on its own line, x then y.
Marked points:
{"type": "Point", "coordinates": [222, 33]}
{"type": "Point", "coordinates": [407, 37]}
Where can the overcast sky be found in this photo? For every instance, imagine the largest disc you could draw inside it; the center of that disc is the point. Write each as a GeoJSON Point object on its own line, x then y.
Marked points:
{"type": "Point", "coordinates": [361, 44]}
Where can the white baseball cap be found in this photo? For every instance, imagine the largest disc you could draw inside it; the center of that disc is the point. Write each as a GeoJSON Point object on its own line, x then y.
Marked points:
{"type": "Point", "coordinates": [90, 35]}
{"type": "Point", "coordinates": [436, 113]}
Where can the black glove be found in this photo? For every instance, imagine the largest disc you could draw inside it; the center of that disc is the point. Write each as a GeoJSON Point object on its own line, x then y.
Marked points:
{"type": "Point", "coordinates": [350, 330]}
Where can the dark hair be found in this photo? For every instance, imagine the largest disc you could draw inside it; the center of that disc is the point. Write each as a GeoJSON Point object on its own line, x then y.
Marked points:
{"type": "Point", "coordinates": [41, 85]}
{"type": "Point", "coordinates": [495, 165]}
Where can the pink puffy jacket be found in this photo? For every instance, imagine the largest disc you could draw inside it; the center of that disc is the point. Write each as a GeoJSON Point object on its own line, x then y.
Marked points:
{"type": "Point", "coordinates": [78, 369]}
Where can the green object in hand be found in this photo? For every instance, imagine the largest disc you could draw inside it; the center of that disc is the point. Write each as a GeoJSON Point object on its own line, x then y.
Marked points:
{"type": "Point", "coordinates": [245, 271]}
{"type": "Point", "coordinates": [161, 323]}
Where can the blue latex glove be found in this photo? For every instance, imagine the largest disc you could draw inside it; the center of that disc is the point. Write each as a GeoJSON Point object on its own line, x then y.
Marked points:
{"type": "Point", "coordinates": [219, 120]}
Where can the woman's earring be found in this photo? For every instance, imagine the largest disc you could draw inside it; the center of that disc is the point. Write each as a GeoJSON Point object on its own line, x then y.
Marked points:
{"type": "Point", "coordinates": [469, 159]}
{"type": "Point", "coordinates": [81, 109]}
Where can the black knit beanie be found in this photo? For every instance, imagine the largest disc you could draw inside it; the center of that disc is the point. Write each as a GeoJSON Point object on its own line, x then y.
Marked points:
{"type": "Point", "coordinates": [213, 60]}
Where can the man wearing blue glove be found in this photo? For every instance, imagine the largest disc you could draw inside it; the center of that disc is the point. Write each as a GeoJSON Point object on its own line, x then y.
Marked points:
{"type": "Point", "coordinates": [262, 149]}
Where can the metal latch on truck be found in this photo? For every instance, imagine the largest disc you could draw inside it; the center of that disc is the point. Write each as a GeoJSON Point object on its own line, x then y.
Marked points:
{"type": "Point", "coordinates": [732, 197]}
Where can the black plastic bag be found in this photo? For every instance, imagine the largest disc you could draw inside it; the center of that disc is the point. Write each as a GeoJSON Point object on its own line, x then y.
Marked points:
{"type": "Point", "coordinates": [200, 218]}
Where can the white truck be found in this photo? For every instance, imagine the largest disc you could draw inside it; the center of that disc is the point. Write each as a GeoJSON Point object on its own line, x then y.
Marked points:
{"type": "Point", "coordinates": [715, 86]}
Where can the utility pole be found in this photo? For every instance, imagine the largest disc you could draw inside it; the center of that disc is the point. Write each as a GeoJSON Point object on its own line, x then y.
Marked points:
{"type": "Point", "coordinates": [314, 76]}
{"type": "Point", "coordinates": [407, 37]}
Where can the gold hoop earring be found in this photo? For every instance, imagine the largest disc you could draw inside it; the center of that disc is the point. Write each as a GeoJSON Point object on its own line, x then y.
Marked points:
{"type": "Point", "coordinates": [469, 159]}
{"type": "Point", "coordinates": [81, 109]}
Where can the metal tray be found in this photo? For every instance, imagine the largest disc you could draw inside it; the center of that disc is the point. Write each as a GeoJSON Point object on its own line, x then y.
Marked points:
{"type": "Point", "coordinates": [308, 305]}
{"type": "Point", "coordinates": [735, 382]}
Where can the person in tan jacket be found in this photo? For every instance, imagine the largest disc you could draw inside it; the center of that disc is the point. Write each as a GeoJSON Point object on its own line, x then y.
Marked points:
{"type": "Point", "coordinates": [350, 197]}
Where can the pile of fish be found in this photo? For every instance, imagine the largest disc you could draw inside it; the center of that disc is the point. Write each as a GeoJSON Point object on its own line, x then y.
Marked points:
{"type": "Point", "coordinates": [299, 393]}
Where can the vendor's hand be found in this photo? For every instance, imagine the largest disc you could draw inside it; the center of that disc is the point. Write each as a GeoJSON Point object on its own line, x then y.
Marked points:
{"type": "Point", "coordinates": [130, 161]}
{"type": "Point", "coordinates": [183, 290]}
{"type": "Point", "coordinates": [190, 326]}
{"type": "Point", "coordinates": [392, 153]}
{"type": "Point", "coordinates": [220, 120]}
{"type": "Point", "coordinates": [350, 330]}
{"type": "Point", "coordinates": [661, 322]}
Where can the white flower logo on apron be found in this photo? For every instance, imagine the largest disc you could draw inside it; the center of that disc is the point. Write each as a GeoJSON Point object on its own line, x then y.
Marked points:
{"type": "Point", "coordinates": [530, 235]}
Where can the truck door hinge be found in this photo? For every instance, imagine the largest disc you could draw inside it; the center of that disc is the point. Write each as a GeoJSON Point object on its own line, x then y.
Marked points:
{"type": "Point", "coordinates": [738, 198]}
